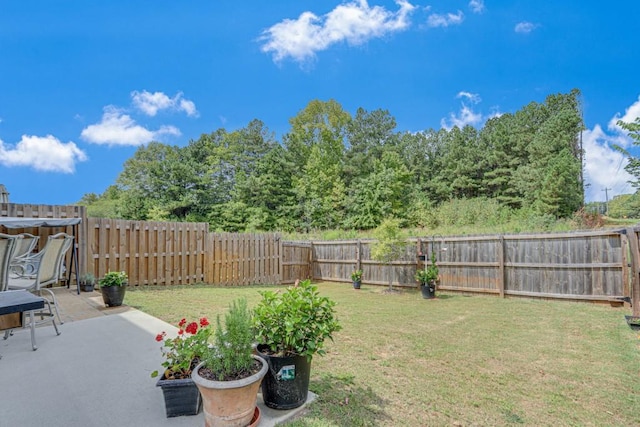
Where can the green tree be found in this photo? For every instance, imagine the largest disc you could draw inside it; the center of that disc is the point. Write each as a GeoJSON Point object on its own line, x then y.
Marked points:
{"type": "Point", "coordinates": [389, 245]}
{"type": "Point", "coordinates": [633, 165]}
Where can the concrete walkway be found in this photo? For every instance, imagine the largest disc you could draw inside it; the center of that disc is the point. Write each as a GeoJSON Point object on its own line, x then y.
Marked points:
{"type": "Point", "coordinates": [96, 373]}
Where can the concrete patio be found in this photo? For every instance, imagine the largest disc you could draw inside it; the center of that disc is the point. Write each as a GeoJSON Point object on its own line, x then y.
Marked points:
{"type": "Point", "coordinates": [96, 373]}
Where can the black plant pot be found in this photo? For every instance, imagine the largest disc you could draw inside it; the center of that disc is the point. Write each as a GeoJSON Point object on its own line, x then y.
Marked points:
{"type": "Point", "coordinates": [633, 322]}
{"type": "Point", "coordinates": [181, 397]}
{"type": "Point", "coordinates": [428, 290]}
{"type": "Point", "coordinates": [113, 295]}
{"type": "Point", "coordinates": [286, 384]}
{"type": "Point", "coordinates": [356, 284]}
{"type": "Point", "coordinates": [87, 287]}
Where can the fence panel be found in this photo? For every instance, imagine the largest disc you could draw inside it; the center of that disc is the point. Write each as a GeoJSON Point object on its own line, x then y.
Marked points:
{"type": "Point", "coordinates": [237, 259]}
{"type": "Point", "coordinates": [152, 253]}
{"type": "Point", "coordinates": [295, 261]}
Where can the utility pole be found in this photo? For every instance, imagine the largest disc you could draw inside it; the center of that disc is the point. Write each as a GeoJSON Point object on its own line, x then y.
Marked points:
{"type": "Point", "coordinates": [606, 197]}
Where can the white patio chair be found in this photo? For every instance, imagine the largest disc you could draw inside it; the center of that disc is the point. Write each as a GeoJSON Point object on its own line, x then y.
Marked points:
{"type": "Point", "coordinates": [21, 264]}
{"type": "Point", "coordinates": [47, 273]}
{"type": "Point", "coordinates": [7, 252]}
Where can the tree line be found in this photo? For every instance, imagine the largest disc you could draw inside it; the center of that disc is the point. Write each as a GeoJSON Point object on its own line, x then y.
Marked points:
{"type": "Point", "coordinates": [335, 170]}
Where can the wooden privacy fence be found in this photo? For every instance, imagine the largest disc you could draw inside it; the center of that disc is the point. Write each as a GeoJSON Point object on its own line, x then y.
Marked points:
{"type": "Point", "coordinates": [594, 266]}
{"type": "Point", "coordinates": [580, 266]}
{"type": "Point", "coordinates": [180, 253]}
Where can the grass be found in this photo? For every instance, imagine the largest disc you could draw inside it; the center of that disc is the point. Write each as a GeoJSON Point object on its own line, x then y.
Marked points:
{"type": "Point", "coordinates": [458, 360]}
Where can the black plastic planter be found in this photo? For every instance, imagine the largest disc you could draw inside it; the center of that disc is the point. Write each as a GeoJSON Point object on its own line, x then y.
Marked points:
{"type": "Point", "coordinates": [113, 295]}
{"type": "Point", "coordinates": [286, 384]}
{"type": "Point", "coordinates": [633, 322]}
{"type": "Point", "coordinates": [181, 397]}
{"type": "Point", "coordinates": [356, 284]}
{"type": "Point", "coordinates": [428, 290]}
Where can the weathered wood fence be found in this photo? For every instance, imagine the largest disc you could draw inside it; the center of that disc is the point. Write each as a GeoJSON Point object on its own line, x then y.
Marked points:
{"type": "Point", "coordinates": [580, 266]}
{"type": "Point", "coordinates": [594, 266]}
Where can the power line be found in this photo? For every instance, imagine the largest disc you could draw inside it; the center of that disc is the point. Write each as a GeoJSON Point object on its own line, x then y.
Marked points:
{"type": "Point", "coordinates": [606, 197]}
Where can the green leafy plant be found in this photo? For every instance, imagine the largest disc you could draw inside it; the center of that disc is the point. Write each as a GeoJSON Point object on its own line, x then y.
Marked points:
{"type": "Point", "coordinates": [114, 278]}
{"type": "Point", "coordinates": [88, 279]}
{"type": "Point", "coordinates": [296, 321]}
{"type": "Point", "coordinates": [185, 351]}
{"type": "Point", "coordinates": [229, 357]}
{"type": "Point", "coordinates": [390, 244]}
{"type": "Point", "coordinates": [356, 276]}
{"type": "Point", "coordinates": [430, 273]}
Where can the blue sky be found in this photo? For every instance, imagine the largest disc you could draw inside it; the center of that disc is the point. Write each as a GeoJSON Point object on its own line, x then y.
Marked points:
{"type": "Point", "coordinates": [83, 84]}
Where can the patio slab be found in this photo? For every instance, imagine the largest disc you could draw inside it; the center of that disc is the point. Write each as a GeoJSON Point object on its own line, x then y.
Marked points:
{"type": "Point", "coordinates": [96, 373]}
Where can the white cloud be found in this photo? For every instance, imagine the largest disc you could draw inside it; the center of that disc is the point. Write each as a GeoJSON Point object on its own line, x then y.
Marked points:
{"type": "Point", "coordinates": [466, 116]}
{"type": "Point", "coordinates": [117, 128]}
{"type": "Point", "coordinates": [436, 20]}
{"type": "Point", "coordinates": [630, 115]}
{"type": "Point", "coordinates": [354, 22]}
{"type": "Point", "coordinates": [150, 103]}
{"type": "Point", "coordinates": [46, 154]}
{"type": "Point", "coordinates": [525, 27]}
{"type": "Point", "coordinates": [476, 6]}
{"type": "Point", "coordinates": [472, 97]}
{"type": "Point", "coordinates": [604, 166]}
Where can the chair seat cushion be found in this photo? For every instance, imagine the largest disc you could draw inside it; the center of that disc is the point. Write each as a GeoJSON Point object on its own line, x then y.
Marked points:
{"type": "Point", "coordinates": [21, 284]}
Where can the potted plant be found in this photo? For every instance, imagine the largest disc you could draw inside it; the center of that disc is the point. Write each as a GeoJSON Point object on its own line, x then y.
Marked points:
{"type": "Point", "coordinates": [230, 374]}
{"type": "Point", "coordinates": [291, 327]}
{"type": "Point", "coordinates": [356, 278]}
{"type": "Point", "coordinates": [87, 282]}
{"type": "Point", "coordinates": [428, 278]}
{"type": "Point", "coordinates": [113, 286]}
{"type": "Point", "coordinates": [182, 354]}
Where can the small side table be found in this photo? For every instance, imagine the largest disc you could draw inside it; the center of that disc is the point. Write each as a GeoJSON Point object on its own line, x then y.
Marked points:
{"type": "Point", "coordinates": [19, 302]}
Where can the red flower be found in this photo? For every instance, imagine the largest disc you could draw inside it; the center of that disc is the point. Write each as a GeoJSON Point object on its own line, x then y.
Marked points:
{"type": "Point", "coordinates": [204, 321]}
{"type": "Point", "coordinates": [182, 322]}
{"type": "Point", "coordinates": [180, 332]}
{"type": "Point", "coordinates": [159, 337]}
{"type": "Point", "coordinates": [192, 328]}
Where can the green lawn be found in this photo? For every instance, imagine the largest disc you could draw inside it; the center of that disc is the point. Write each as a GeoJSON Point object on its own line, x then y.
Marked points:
{"type": "Point", "coordinates": [458, 360]}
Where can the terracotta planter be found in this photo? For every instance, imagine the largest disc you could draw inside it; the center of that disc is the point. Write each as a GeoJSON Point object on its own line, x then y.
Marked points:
{"type": "Point", "coordinates": [113, 295]}
{"type": "Point", "coordinates": [181, 397]}
{"type": "Point", "coordinates": [229, 403]}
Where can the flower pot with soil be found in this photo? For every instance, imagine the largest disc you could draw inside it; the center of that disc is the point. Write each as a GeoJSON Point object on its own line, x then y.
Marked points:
{"type": "Point", "coordinates": [291, 327]}
{"type": "Point", "coordinates": [113, 286]}
{"type": "Point", "coordinates": [229, 375]}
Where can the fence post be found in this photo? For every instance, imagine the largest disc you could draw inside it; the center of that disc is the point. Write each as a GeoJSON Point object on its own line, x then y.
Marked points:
{"type": "Point", "coordinates": [280, 258]}
{"type": "Point", "coordinates": [624, 244]}
{"type": "Point", "coordinates": [501, 255]}
{"type": "Point", "coordinates": [635, 283]}
{"type": "Point", "coordinates": [358, 256]}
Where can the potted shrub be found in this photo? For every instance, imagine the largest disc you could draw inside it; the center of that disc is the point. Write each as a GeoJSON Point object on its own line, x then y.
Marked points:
{"type": "Point", "coordinates": [291, 327]}
{"type": "Point", "coordinates": [113, 286]}
{"type": "Point", "coordinates": [87, 282]}
{"type": "Point", "coordinates": [182, 354]}
{"type": "Point", "coordinates": [230, 374]}
{"type": "Point", "coordinates": [428, 278]}
{"type": "Point", "coordinates": [356, 278]}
